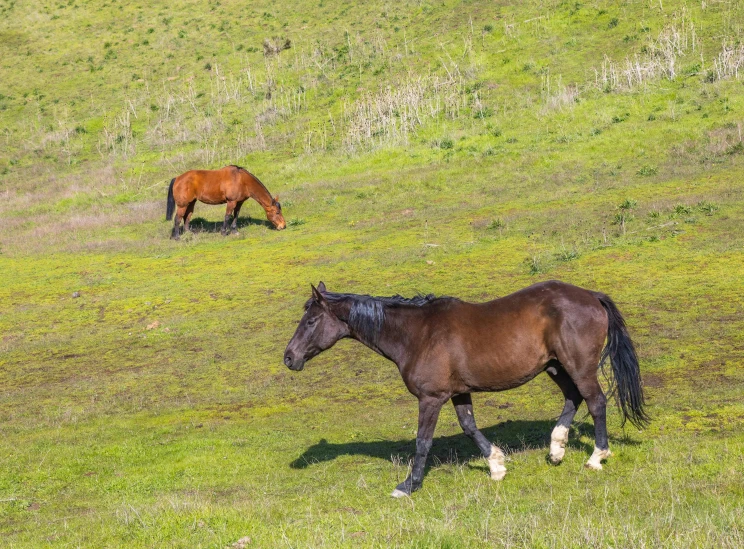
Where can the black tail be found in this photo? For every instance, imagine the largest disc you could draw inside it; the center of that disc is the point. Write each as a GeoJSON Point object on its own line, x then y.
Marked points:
{"type": "Point", "coordinates": [171, 203]}
{"type": "Point", "coordinates": [627, 385]}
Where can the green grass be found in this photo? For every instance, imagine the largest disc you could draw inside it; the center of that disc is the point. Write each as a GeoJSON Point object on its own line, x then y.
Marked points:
{"type": "Point", "coordinates": [153, 409]}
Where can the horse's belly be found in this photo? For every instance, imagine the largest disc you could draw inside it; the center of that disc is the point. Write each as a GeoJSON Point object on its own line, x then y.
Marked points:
{"type": "Point", "coordinates": [212, 198]}
{"type": "Point", "coordinates": [505, 382]}
{"type": "Point", "coordinates": [494, 356]}
{"type": "Point", "coordinates": [489, 375]}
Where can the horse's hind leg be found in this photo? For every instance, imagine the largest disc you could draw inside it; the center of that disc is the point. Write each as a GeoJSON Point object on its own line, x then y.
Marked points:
{"type": "Point", "coordinates": [187, 215]}
{"type": "Point", "coordinates": [590, 389]}
{"type": "Point", "coordinates": [579, 352]}
{"type": "Point", "coordinates": [180, 212]}
{"type": "Point", "coordinates": [493, 454]}
{"type": "Point", "coordinates": [228, 215]}
{"type": "Point", "coordinates": [559, 436]}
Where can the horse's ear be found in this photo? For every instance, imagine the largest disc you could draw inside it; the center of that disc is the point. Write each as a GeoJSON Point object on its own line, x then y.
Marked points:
{"type": "Point", "coordinates": [276, 198]}
{"type": "Point", "coordinates": [317, 296]}
{"type": "Point", "coordinates": [321, 287]}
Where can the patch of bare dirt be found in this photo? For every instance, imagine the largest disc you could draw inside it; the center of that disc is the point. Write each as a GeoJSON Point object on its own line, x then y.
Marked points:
{"type": "Point", "coordinates": [653, 380]}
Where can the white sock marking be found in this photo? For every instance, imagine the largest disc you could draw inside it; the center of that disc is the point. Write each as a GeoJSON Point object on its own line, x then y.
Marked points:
{"type": "Point", "coordinates": [595, 462]}
{"type": "Point", "coordinates": [558, 440]}
{"type": "Point", "coordinates": [496, 463]}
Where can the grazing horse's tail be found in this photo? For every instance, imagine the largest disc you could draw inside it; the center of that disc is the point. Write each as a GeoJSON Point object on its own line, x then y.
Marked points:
{"type": "Point", "coordinates": [171, 202]}
{"type": "Point", "coordinates": [627, 384]}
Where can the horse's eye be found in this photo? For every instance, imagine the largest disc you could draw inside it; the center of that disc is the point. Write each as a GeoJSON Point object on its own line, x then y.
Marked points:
{"type": "Point", "coordinates": [311, 322]}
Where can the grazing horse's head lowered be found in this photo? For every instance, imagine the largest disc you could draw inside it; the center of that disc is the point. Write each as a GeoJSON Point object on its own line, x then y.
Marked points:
{"type": "Point", "coordinates": [319, 330]}
{"type": "Point", "coordinates": [274, 214]}
{"type": "Point", "coordinates": [231, 185]}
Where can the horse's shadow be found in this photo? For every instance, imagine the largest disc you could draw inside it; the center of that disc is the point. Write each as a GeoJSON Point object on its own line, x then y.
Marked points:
{"type": "Point", "coordinates": [201, 225]}
{"type": "Point", "coordinates": [510, 436]}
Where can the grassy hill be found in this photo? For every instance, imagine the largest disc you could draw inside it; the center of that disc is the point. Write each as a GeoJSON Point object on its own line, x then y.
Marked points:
{"type": "Point", "coordinates": [462, 148]}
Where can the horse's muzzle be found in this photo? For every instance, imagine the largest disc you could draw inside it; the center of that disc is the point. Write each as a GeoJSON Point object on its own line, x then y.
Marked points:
{"type": "Point", "coordinates": [293, 364]}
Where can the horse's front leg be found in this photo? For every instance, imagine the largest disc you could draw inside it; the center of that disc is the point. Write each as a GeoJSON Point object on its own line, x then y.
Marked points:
{"type": "Point", "coordinates": [429, 408]}
{"type": "Point", "coordinates": [494, 456]}
{"type": "Point", "coordinates": [236, 213]}
{"type": "Point", "coordinates": [228, 215]}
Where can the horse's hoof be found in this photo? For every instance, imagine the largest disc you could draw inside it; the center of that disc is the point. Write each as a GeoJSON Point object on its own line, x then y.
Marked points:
{"type": "Point", "coordinates": [595, 462]}
{"type": "Point", "coordinates": [498, 474]}
{"type": "Point", "coordinates": [399, 494]}
{"type": "Point", "coordinates": [557, 457]}
{"type": "Point", "coordinates": [496, 463]}
{"type": "Point", "coordinates": [558, 441]}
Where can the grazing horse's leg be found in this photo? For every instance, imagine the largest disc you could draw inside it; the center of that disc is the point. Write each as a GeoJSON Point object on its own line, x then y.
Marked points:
{"type": "Point", "coordinates": [187, 215]}
{"type": "Point", "coordinates": [180, 212]}
{"type": "Point", "coordinates": [228, 214]}
{"type": "Point", "coordinates": [493, 454]}
{"type": "Point", "coordinates": [429, 408]}
{"type": "Point", "coordinates": [559, 436]}
{"type": "Point", "coordinates": [597, 404]}
{"type": "Point", "coordinates": [236, 213]}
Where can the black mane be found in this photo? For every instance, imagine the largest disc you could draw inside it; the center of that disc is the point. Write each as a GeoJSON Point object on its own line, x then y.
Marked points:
{"type": "Point", "coordinates": [367, 313]}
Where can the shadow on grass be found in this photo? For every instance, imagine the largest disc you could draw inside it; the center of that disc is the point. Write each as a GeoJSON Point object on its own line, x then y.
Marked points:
{"type": "Point", "coordinates": [510, 436]}
{"type": "Point", "coordinates": [201, 225]}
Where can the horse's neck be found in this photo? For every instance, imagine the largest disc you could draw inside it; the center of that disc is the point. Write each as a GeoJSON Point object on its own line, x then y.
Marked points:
{"type": "Point", "coordinates": [259, 193]}
{"type": "Point", "coordinates": [399, 328]}
{"type": "Point", "coordinates": [392, 340]}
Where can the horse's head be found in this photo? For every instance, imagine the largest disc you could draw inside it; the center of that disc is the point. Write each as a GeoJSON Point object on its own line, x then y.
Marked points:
{"type": "Point", "coordinates": [319, 330]}
{"type": "Point", "coordinates": [274, 214]}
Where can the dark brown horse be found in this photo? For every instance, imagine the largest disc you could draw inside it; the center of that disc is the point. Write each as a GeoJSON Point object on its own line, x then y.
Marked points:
{"type": "Point", "coordinates": [232, 185]}
{"type": "Point", "coordinates": [446, 349]}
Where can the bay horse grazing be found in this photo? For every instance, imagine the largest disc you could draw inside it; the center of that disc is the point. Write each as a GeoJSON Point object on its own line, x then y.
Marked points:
{"type": "Point", "coordinates": [232, 185]}
{"type": "Point", "coordinates": [447, 349]}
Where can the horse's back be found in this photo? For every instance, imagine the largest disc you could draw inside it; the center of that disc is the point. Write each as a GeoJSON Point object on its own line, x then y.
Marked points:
{"type": "Point", "coordinates": [208, 186]}
{"type": "Point", "coordinates": [501, 344]}
{"type": "Point", "coordinates": [547, 290]}
{"type": "Point", "coordinates": [566, 303]}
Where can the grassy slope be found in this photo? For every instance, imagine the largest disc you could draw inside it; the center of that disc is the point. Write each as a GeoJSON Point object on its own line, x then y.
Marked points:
{"type": "Point", "coordinates": [192, 433]}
